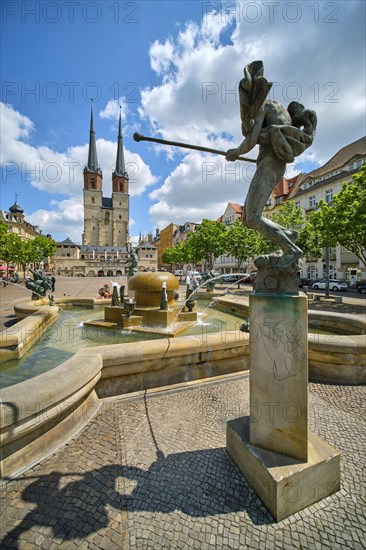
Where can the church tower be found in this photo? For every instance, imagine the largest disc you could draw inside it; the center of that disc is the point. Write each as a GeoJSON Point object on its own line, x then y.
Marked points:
{"type": "Point", "coordinates": [93, 194]}
{"type": "Point", "coordinates": [120, 196]}
{"type": "Point", "coordinates": [106, 219]}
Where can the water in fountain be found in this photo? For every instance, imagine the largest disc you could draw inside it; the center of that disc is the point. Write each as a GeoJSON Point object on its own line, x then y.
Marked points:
{"type": "Point", "coordinates": [243, 275]}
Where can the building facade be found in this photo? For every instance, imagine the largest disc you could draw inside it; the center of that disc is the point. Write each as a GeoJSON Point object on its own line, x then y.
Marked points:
{"type": "Point", "coordinates": [322, 184]}
{"type": "Point", "coordinates": [226, 264]}
{"type": "Point", "coordinates": [164, 241]}
{"type": "Point", "coordinates": [17, 224]}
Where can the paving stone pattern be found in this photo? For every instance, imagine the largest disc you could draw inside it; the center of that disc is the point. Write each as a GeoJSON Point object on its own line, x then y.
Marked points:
{"type": "Point", "coordinates": [152, 472]}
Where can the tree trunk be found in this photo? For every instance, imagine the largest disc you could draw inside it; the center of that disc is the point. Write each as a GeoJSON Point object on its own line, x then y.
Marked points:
{"type": "Point", "coordinates": [327, 272]}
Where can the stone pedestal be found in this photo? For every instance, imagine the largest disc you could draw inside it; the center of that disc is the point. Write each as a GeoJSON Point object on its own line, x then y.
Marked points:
{"type": "Point", "coordinates": [185, 316]}
{"type": "Point", "coordinates": [288, 467]}
{"type": "Point", "coordinates": [156, 317]}
{"type": "Point", "coordinates": [284, 485]}
{"type": "Point", "coordinates": [131, 322]}
{"type": "Point", "coordinates": [113, 314]}
{"type": "Point", "coordinates": [278, 347]}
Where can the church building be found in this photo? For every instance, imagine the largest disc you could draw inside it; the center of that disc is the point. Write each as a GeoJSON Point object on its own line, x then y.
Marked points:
{"type": "Point", "coordinates": [105, 219]}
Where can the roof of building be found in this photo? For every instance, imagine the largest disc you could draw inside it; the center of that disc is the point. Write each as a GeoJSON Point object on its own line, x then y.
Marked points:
{"type": "Point", "coordinates": [16, 209]}
{"type": "Point", "coordinates": [285, 186]}
{"type": "Point", "coordinates": [67, 242]}
{"type": "Point", "coordinates": [344, 174]}
{"type": "Point", "coordinates": [146, 245]}
{"type": "Point", "coordinates": [107, 202]}
{"type": "Point", "coordinates": [344, 155]}
{"type": "Point", "coordinates": [92, 165]}
{"type": "Point", "coordinates": [237, 207]}
{"type": "Point", "coordinates": [120, 169]}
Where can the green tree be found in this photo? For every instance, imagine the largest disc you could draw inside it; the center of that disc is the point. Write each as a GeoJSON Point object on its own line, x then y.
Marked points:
{"type": "Point", "coordinates": [291, 216]}
{"type": "Point", "coordinates": [10, 248]}
{"type": "Point", "coordinates": [26, 255]}
{"type": "Point", "coordinates": [3, 232]}
{"type": "Point", "coordinates": [343, 221]}
{"type": "Point", "coordinates": [241, 242]}
{"type": "Point", "coordinates": [171, 256]}
{"type": "Point", "coordinates": [208, 242]}
{"type": "Point", "coordinates": [42, 247]}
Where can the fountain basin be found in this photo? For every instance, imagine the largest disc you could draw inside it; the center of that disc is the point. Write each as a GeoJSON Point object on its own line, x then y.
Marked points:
{"type": "Point", "coordinates": [338, 358]}
{"type": "Point", "coordinates": [38, 415]}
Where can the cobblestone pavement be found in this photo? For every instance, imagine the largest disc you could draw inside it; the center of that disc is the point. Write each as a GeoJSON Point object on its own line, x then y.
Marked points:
{"type": "Point", "coordinates": [151, 471]}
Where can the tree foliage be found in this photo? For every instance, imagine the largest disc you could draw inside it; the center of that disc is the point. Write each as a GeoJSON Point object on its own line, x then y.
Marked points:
{"type": "Point", "coordinates": [343, 221]}
{"type": "Point", "coordinates": [291, 216]}
{"type": "Point", "coordinates": [241, 242]}
{"type": "Point", "coordinates": [207, 243]}
{"type": "Point", "coordinates": [11, 248]}
{"type": "Point", "coordinates": [42, 247]}
{"type": "Point", "coordinates": [174, 255]}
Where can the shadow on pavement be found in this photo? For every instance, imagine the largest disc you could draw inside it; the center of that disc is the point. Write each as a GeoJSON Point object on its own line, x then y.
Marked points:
{"type": "Point", "coordinates": [199, 483]}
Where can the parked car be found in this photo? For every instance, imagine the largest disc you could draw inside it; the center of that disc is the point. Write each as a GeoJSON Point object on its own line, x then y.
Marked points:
{"type": "Point", "coordinates": [361, 287]}
{"type": "Point", "coordinates": [196, 274]}
{"type": "Point", "coordinates": [234, 277]}
{"type": "Point", "coordinates": [305, 282]}
{"type": "Point", "coordinates": [178, 272]}
{"type": "Point", "coordinates": [334, 284]}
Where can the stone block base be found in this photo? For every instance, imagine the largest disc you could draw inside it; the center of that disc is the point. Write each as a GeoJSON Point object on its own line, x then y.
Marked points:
{"type": "Point", "coordinates": [284, 485]}
{"type": "Point", "coordinates": [113, 314]}
{"type": "Point", "coordinates": [187, 316]}
{"type": "Point", "coordinates": [155, 317]}
{"type": "Point", "coordinates": [132, 322]}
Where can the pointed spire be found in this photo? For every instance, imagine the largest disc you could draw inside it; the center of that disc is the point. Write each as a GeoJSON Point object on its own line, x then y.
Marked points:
{"type": "Point", "coordinates": [120, 160]}
{"type": "Point", "coordinates": [92, 165]}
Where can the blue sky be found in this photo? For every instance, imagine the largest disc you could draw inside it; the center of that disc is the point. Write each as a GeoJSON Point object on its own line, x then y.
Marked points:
{"type": "Point", "coordinates": [174, 67]}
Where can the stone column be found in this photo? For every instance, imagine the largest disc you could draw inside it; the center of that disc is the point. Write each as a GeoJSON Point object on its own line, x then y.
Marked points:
{"type": "Point", "coordinates": [279, 374]}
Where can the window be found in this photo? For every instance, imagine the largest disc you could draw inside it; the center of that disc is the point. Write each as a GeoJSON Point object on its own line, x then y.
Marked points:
{"type": "Point", "coordinates": [92, 183]}
{"type": "Point", "coordinates": [279, 200]}
{"type": "Point", "coordinates": [120, 217]}
{"type": "Point", "coordinates": [328, 196]}
{"type": "Point", "coordinates": [297, 204]}
{"type": "Point", "coordinates": [312, 202]}
{"type": "Point", "coordinates": [93, 200]}
{"type": "Point", "coordinates": [312, 272]}
{"type": "Point", "coordinates": [359, 163]}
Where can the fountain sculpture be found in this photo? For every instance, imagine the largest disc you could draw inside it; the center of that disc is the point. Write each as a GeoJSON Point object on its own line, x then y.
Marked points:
{"type": "Point", "coordinates": [153, 309]}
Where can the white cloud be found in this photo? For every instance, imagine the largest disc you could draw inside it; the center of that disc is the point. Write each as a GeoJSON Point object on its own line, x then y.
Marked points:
{"type": "Point", "coordinates": [112, 109]}
{"type": "Point", "coordinates": [53, 171]}
{"type": "Point", "coordinates": [196, 100]}
{"type": "Point", "coordinates": [67, 218]}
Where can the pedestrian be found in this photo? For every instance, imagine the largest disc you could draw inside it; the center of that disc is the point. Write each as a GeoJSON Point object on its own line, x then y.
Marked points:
{"type": "Point", "coordinates": [53, 283]}
{"type": "Point", "coordinates": [4, 279]}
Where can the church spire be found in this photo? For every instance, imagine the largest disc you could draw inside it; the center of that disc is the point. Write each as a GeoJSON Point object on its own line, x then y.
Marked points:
{"type": "Point", "coordinates": [120, 176]}
{"type": "Point", "coordinates": [120, 160]}
{"type": "Point", "coordinates": [92, 165]}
